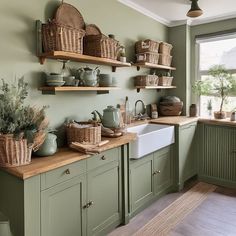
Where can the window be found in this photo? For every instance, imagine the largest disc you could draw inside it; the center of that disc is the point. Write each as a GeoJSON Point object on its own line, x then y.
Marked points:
{"type": "Point", "coordinates": [213, 51]}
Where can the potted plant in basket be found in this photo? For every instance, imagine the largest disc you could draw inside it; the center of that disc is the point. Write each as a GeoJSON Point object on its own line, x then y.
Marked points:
{"type": "Point", "coordinates": [22, 127]}
{"type": "Point", "coordinates": [220, 83]}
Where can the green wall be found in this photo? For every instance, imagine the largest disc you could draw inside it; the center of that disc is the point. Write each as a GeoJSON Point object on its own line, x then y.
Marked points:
{"type": "Point", "coordinates": [18, 44]}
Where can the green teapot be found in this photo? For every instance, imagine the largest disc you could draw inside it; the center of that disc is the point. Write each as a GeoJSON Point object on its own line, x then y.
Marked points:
{"type": "Point", "coordinates": [49, 147]}
{"type": "Point", "coordinates": [110, 118]}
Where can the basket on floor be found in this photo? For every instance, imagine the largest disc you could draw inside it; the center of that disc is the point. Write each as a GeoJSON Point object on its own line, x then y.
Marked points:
{"type": "Point", "coordinates": [147, 45]}
{"type": "Point", "coordinates": [99, 45]}
{"type": "Point", "coordinates": [14, 152]}
{"type": "Point", "coordinates": [83, 132]}
{"type": "Point", "coordinates": [146, 80]}
{"type": "Point", "coordinates": [165, 48]}
{"type": "Point", "coordinates": [149, 57]}
{"type": "Point", "coordinates": [165, 81]}
{"type": "Point", "coordinates": [65, 32]}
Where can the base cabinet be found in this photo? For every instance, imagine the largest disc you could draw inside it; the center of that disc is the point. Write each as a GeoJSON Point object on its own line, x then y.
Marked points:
{"type": "Point", "coordinates": [62, 210]}
{"type": "Point", "coordinates": [217, 164]}
{"type": "Point", "coordinates": [186, 146]}
{"type": "Point", "coordinates": [150, 177]}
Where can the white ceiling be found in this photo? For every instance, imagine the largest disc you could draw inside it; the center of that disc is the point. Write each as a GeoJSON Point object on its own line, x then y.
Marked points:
{"type": "Point", "coordinates": [173, 12]}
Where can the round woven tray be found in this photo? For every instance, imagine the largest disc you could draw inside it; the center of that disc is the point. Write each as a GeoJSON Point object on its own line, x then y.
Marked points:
{"type": "Point", "coordinates": [68, 15]}
{"type": "Point", "coordinates": [92, 30]}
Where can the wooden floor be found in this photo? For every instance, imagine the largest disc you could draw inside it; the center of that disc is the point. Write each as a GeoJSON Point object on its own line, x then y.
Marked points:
{"type": "Point", "coordinates": [216, 216]}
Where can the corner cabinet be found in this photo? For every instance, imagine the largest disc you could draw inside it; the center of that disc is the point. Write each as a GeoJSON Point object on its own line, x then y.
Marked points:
{"type": "Point", "coordinates": [186, 148]}
{"type": "Point", "coordinates": [217, 162]}
{"type": "Point", "coordinates": [150, 178]}
{"type": "Point", "coordinates": [78, 199]}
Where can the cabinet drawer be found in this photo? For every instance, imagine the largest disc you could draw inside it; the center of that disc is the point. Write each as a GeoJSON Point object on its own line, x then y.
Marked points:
{"type": "Point", "coordinates": [62, 174]}
{"type": "Point", "coordinates": [103, 158]}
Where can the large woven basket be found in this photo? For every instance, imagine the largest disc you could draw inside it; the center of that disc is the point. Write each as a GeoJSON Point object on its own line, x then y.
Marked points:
{"type": "Point", "coordinates": [146, 80]}
{"type": "Point", "coordinates": [165, 81]}
{"type": "Point", "coordinates": [170, 108]}
{"type": "Point", "coordinates": [147, 45]}
{"type": "Point", "coordinates": [14, 152]}
{"type": "Point", "coordinates": [165, 59]}
{"type": "Point", "coordinates": [165, 48]}
{"type": "Point", "coordinates": [148, 57]}
{"type": "Point", "coordinates": [57, 37]}
{"type": "Point", "coordinates": [84, 132]}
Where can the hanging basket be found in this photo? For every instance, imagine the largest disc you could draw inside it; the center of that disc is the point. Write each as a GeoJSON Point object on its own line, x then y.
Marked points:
{"type": "Point", "coordinates": [14, 152]}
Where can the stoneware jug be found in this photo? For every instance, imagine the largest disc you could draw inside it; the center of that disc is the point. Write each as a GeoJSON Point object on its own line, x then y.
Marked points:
{"type": "Point", "coordinates": [110, 118]}
{"type": "Point", "coordinates": [49, 147]}
{"type": "Point", "coordinates": [88, 76]}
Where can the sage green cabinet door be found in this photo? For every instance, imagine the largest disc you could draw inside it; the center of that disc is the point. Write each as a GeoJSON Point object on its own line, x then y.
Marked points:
{"type": "Point", "coordinates": [104, 197]}
{"type": "Point", "coordinates": [218, 162]}
{"type": "Point", "coordinates": [141, 182]}
{"type": "Point", "coordinates": [163, 170]}
{"type": "Point", "coordinates": [187, 157]}
{"type": "Point", "coordinates": [62, 212]}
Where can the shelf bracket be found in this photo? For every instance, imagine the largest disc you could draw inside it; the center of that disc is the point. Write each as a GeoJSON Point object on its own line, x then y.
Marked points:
{"type": "Point", "coordinates": [138, 68]}
{"type": "Point", "coordinates": [138, 90]}
{"type": "Point", "coordinates": [113, 68]}
{"type": "Point", "coordinates": [42, 60]}
{"type": "Point", "coordinates": [102, 92]}
{"type": "Point", "coordinates": [48, 92]}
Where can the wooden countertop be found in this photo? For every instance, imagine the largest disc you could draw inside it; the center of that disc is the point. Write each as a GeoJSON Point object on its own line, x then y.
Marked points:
{"type": "Point", "coordinates": [225, 122]}
{"type": "Point", "coordinates": [64, 156]}
{"type": "Point", "coordinates": [174, 120]}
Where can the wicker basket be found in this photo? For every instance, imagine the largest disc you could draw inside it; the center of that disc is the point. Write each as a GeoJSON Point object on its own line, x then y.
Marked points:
{"type": "Point", "coordinates": [58, 37]}
{"type": "Point", "coordinates": [170, 108]}
{"type": "Point", "coordinates": [146, 80]}
{"type": "Point", "coordinates": [84, 132]}
{"type": "Point", "coordinates": [148, 57]}
{"type": "Point", "coordinates": [146, 46]}
{"type": "Point", "coordinates": [165, 81]}
{"type": "Point", "coordinates": [14, 152]}
{"type": "Point", "coordinates": [165, 48]}
{"type": "Point", "coordinates": [100, 46]}
{"type": "Point", "coordinates": [165, 59]}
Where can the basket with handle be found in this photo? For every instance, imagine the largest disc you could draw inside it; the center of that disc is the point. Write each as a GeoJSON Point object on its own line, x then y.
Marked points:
{"type": "Point", "coordinates": [165, 81]}
{"type": "Point", "coordinates": [148, 57]}
{"type": "Point", "coordinates": [146, 80]}
{"type": "Point", "coordinates": [14, 152]}
{"type": "Point", "coordinates": [83, 132]}
{"type": "Point", "coordinates": [165, 59]}
{"type": "Point", "coordinates": [165, 48]}
{"type": "Point", "coordinates": [147, 45]}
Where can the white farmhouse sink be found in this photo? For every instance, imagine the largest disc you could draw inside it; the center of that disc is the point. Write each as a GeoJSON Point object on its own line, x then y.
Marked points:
{"type": "Point", "coordinates": [151, 137]}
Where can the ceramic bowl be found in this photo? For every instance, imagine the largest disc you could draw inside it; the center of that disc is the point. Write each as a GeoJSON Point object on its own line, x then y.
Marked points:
{"type": "Point", "coordinates": [54, 76]}
{"type": "Point", "coordinates": [105, 80]}
{"type": "Point", "coordinates": [55, 83]}
{"type": "Point", "coordinates": [69, 80]}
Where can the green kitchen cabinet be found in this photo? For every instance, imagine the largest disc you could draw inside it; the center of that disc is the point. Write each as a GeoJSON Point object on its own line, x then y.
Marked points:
{"type": "Point", "coordinates": [62, 210]}
{"type": "Point", "coordinates": [163, 170]}
{"type": "Point", "coordinates": [186, 148]}
{"type": "Point", "coordinates": [150, 177]}
{"type": "Point", "coordinates": [217, 164]}
{"type": "Point", "coordinates": [141, 182]}
{"type": "Point", "coordinates": [104, 196]}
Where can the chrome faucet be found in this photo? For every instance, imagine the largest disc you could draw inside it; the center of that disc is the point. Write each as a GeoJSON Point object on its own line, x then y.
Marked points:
{"type": "Point", "coordinates": [142, 115]}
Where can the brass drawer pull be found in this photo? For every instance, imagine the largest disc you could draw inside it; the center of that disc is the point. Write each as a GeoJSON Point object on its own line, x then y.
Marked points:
{"type": "Point", "coordinates": [156, 172]}
{"type": "Point", "coordinates": [89, 204]}
{"type": "Point", "coordinates": [67, 171]}
{"type": "Point", "coordinates": [103, 158]}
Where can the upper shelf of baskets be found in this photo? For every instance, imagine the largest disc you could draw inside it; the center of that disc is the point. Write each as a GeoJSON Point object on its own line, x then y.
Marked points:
{"type": "Point", "coordinates": [151, 65]}
{"type": "Point", "coordinates": [154, 87]}
{"type": "Point", "coordinates": [82, 58]}
{"type": "Point", "coordinates": [53, 90]}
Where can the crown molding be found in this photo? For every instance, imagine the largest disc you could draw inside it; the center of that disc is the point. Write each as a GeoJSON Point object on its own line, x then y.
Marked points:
{"type": "Point", "coordinates": [145, 12]}
{"type": "Point", "coordinates": [168, 23]}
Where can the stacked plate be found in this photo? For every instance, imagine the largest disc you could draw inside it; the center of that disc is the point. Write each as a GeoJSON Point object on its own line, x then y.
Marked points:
{"type": "Point", "coordinates": [55, 80]}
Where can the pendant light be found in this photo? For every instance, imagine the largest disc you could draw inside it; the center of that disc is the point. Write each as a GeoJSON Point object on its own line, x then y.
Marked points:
{"type": "Point", "coordinates": [195, 10]}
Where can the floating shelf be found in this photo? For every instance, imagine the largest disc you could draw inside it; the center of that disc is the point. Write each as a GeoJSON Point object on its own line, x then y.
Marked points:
{"type": "Point", "coordinates": [53, 90]}
{"type": "Point", "coordinates": [82, 58]}
{"type": "Point", "coordinates": [150, 65]}
{"type": "Point", "coordinates": [154, 87]}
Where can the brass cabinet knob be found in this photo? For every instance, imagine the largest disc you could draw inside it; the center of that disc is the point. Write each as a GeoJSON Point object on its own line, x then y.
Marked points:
{"type": "Point", "coordinates": [67, 171]}
{"type": "Point", "coordinates": [89, 204]}
{"type": "Point", "coordinates": [156, 172]}
{"type": "Point", "coordinates": [103, 158]}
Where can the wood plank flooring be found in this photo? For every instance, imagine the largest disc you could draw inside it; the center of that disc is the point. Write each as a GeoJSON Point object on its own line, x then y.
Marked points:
{"type": "Point", "coordinates": [216, 216]}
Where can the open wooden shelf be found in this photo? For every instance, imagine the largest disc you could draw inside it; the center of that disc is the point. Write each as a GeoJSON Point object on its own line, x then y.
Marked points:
{"type": "Point", "coordinates": [154, 87]}
{"type": "Point", "coordinates": [82, 58]}
{"type": "Point", "coordinates": [150, 65]}
{"type": "Point", "coordinates": [53, 90]}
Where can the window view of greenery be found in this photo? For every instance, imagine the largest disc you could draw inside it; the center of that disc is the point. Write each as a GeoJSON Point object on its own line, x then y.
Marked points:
{"type": "Point", "coordinates": [217, 52]}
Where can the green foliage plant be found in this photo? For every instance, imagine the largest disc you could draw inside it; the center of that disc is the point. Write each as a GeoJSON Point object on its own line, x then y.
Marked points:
{"type": "Point", "coordinates": [15, 116]}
